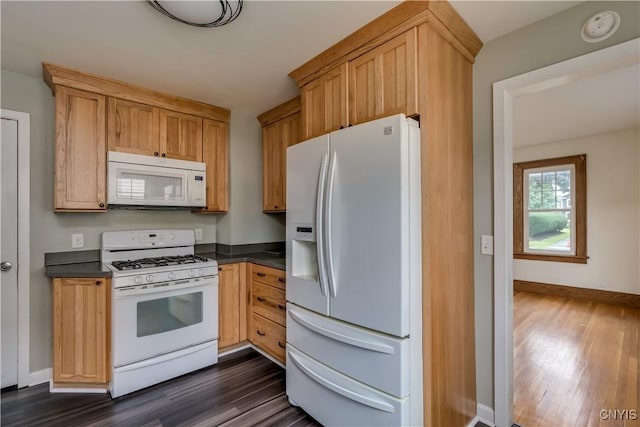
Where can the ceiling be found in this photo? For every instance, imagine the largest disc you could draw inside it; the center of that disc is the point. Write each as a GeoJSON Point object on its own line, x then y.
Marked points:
{"type": "Point", "coordinates": [240, 66]}
{"type": "Point", "coordinates": [603, 103]}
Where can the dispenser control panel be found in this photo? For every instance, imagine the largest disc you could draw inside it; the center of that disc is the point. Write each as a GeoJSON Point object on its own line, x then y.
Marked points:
{"type": "Point", "coordinates": [304, 232]}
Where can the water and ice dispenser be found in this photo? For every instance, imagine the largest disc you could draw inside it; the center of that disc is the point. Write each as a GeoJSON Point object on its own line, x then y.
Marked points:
{"type": "Point", "coordinates": [304, 257]}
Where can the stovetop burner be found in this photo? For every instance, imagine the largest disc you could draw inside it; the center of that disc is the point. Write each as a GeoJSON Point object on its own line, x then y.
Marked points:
{"type": "Point", "coordinates": [158, 262]}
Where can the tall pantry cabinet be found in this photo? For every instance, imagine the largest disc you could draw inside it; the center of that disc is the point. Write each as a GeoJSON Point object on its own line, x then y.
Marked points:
{"type": "Point", "coordinates": [417, 59]}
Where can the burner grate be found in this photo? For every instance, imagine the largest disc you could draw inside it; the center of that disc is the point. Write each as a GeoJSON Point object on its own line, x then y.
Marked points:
{"type": "Point", "coordinates": [158, 262]}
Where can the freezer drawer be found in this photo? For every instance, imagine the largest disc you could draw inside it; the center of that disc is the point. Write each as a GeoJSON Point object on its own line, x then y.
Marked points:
{"type": "Point", "coordinates": [337, 400]}
{"type": "Point", "coordinates": [378, 360]}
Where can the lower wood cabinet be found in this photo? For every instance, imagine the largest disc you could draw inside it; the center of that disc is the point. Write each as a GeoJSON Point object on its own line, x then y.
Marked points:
{"type": "Point", "coordinates": [232, 324]}
{"type": "Point", "coordinates": [267, 323]}
{"type": "Point", "coordinates": [81, 330]}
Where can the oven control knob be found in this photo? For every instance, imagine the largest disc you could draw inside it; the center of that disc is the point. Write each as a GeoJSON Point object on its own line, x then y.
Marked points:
{"type": "Point", "coordinates": [139, 279]}
{"type": "Point", "coordinates": [150, 278]}
{"type": "Point", "coordinates": [192, 273]}
{"type": "Point", "coordinates": [172, 275]}
{"type": "Point", "coordinates": [201, 272]}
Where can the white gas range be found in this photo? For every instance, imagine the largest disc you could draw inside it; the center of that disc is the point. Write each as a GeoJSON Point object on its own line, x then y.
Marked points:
{"type": "Point", "coordinates": [164, 307]}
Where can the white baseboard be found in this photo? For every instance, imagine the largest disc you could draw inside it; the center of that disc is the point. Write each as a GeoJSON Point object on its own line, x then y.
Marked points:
{"type": "Point", "coordinates": [485, 415]}
{"type": "Point", "coordinates": [234, 350]}
{"type": "Point", "coordinates": [53, 389]}
{"type": "Point", "coordinates": [40, 377]}
{"type": "Point", "coordinates": [268, 356]}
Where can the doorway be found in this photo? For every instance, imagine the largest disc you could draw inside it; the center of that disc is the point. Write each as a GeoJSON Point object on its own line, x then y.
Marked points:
{"type": "Point", "coordinates": [504, 93]}
{"type": "Point", "coordinates": [14, 248]}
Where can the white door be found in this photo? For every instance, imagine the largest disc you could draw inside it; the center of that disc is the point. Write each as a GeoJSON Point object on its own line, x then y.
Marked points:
{"type": "Point", "coordinates": [368, 225]}
{"type": "Point", "coordinates": [9, 251]}
{"type": "Point", "coordinates": [307, 165]}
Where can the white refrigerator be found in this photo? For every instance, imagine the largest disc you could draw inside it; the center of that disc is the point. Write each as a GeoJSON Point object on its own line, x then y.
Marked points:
{"type": "Point", "coordinates": [354, 320]}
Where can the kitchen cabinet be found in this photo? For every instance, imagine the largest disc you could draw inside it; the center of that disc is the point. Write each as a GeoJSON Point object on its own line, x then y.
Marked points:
{"type": "Point", "coordinates": [215, 153]}
{"type": "Point", "coordinates": [324, 103]}
{"type": "Point", "coordinates": [133, 127]}
{"type": "Point", "coordinates": [81, 331]}
{"type": "Point", "coordinates": [267, 323]}
{"type": "Point", "coordinates": [80, 155]}
{"type": "Point", "coordinates": [180, 136]}
{"type": "Point", "coordinates": [95, 114]}
{"type": "Point", "coordinates": [276, 138]}
{"type": "Point", "coordinates": [383, 81]}
{"type": "Point", "coordinates": [232, 327]}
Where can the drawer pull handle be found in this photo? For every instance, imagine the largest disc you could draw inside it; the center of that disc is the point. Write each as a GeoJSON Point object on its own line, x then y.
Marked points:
{"type": "Point", "coordinates": [261, 299]}
{"type": "Point", "coordinates": [282, 280]}
{"type": "Point", "coordinates": [259, 332]}
{"type": "Point", "coordinates": [281, 344]}
{"type": "Point", "coordinates": [98, 282]}
{"type": "Point", "coordinates": [261, 275]}
{"type": "Point", "coordinates": [281, 307]}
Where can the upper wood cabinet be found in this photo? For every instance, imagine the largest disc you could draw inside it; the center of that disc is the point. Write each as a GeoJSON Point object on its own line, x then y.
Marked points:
{"type": "Point", "coordinates": [81, 324]}
{"type": "Point", "coordinates": [133, 127]}
{"type": "Point", "coordinates": [383, 81]}
{"type": "Point", "coordinates": [275, 140]}
{"type": "Point", "coordinates": [280, 129]}
{"type": "Point", "coordinates": [80, 156]}
{"type": "Point", "coordinates": [325, 103]}
{"type": "Point", "coordinates": [95, 114]}
{"type": "Point", "coordinates": [180, 136]}
{"type": "Point", "coordinates": [215, 153]}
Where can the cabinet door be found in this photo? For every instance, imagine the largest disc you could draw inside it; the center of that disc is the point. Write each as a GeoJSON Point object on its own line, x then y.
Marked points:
{"type": "Point", "coordinates": [230, 300]}
{"type": "Point", "coordinates": [80, 330]}
{"type": "Point", "coordinates": [80, 169]}
{"type": "Point", "coordinates": [133, 127]}
{"type": "Point", "coordinates": [180, 136]}
{"type": "Point", "coordinates": [383, 82]}
{"type": "Point", "coordinates": [324, 103]}
{"type": "Point", "coordinates": [275, 140]}
{"type": "Point", "coordinates": [215, 153]}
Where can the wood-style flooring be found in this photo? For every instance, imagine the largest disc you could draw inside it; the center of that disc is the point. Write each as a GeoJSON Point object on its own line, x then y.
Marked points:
{"type": "Point", "coordinates": [243, 389]}
{"type": "Point", "coordinates": [573, 359]}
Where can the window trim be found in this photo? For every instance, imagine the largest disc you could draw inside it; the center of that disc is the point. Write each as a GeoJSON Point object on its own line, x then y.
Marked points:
{"type": "Point", "coordinates": [579, 163]}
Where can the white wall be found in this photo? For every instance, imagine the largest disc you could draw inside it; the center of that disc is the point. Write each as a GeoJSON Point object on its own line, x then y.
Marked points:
{"type": "Point", "coordinates": [542, 43]}
{"type": "Point", "coordinates": [245, 222]}
{"type": "Point", "coordinates": [613, 214]}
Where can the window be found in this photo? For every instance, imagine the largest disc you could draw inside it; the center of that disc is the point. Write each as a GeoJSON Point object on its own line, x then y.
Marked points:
{"type": "Point", "coordinates": [549, 208]}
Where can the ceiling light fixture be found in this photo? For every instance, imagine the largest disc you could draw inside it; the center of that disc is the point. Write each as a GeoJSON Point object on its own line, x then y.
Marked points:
{"type": "Point", "coordinates": [214, 13]}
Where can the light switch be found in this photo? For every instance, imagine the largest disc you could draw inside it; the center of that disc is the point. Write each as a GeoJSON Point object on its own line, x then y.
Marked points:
{"type": "Point", "coordinates": [486, 247]}
{"type": "Point", "coordinates": [198, 232]}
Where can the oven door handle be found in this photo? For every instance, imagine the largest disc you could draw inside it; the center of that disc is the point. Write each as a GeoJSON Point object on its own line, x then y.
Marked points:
{"type": "Point", "coordinates": [132, 291]}
{"type": "Point", "coordinates": [166, 357]}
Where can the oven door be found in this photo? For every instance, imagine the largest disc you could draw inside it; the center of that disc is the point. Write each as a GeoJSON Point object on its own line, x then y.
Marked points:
{"type": "Point", "coordinates": [148, 323]}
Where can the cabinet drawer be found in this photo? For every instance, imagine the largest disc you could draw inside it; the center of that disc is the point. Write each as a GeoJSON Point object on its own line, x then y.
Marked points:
{"type": "Point", "coordinates": [268, 302]}
{"type": "Point", "coordinates": [269, 336]}
{"type": "Point", "coordinates": [268, 275]}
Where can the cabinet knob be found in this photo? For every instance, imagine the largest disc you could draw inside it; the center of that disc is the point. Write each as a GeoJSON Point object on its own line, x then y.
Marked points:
{"type": "Point", "coordinates": [156, 154]}
{"type": "Point", "coordinates": [341, 127]}
{"type": "Point", "coordinates": [164, 154]}
{"type": "Point", "coordinates": [219, 268]}
{"type": "Point", "coordinates": [350, 125]}
{"type": "Point", "coordinates": [98, 282]}
{"type": "Point", "coordinates": [101, 205]}
{"type": "Point", "coordinates": [275, 207]}
{"type": "Point", "coordinates": [259, 332]}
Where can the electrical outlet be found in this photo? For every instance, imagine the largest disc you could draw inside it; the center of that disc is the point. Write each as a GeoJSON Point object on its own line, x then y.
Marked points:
{"type": "Point", "coordinates": [486, 246]}
{"type": "Point", "coordinates": [198, 233]}
{"type": "Point", "coordinates": [77, 240]}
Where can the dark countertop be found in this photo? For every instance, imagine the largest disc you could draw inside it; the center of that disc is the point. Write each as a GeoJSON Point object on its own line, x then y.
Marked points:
{"type": "Point", "coordinates": [97, 269]}
{"type": "Point", "coordinates": [80, 269]}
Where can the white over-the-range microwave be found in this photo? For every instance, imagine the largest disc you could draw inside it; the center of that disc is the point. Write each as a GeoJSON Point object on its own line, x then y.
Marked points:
{"type": "Point", "coordinates": [138, 181]}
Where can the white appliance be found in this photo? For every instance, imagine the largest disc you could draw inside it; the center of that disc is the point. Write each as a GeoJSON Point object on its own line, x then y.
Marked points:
{"type": "Point", "coordinates": [164, 307]}
{"type": "Point", "coordinates": [354, 321]}
{"type": "Point", "coordinates": [135, 180]}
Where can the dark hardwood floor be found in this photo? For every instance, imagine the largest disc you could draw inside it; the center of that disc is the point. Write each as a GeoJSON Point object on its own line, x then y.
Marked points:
{"type": "Point", "coordinates": [243, 389]}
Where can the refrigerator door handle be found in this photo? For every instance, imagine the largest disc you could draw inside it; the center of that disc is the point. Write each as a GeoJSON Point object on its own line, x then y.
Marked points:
{"type": "Point", "coordinates": [322, 269]}
{"type": "Point", "coordinates": [337, 336]}
{"type": "Point", "coordinates": [339, 389]}
{"type": "Point", "coordinates": [327, 225]}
